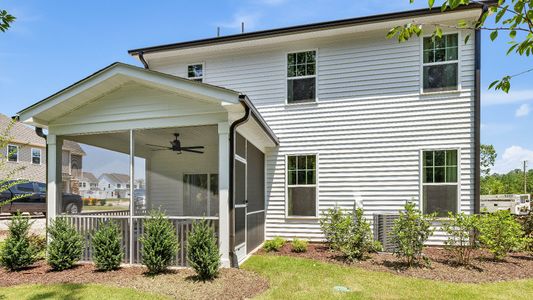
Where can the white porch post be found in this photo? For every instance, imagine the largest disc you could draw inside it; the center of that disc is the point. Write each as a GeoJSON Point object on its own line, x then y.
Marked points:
{"type": "Point", "coordinates": [54, 166]}
{"type": "Point", "coordinates": [223, 191]}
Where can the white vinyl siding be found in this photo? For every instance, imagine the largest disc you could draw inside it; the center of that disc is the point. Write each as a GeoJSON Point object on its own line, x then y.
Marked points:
{"type": "Point", "coordinates": [368, 126]}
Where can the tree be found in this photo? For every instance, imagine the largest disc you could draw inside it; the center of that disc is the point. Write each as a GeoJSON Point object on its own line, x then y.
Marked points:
{"type": "Point", "coordinates": [513, 17]}
{"type": "Point", "coordinates": [5, 20]}
{"type": "Point", "coordinates": [488, 157]}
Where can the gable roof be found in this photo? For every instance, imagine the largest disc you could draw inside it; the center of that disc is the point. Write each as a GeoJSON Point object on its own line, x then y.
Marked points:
{"type": "Point", "coordinates": [116, 177]}
{"type": "Point", "coordinates": [25, 135]}
{"type": "Point", "coordinates": [303, 28]}
{"type": "Point", "coordinates": [89, 177]}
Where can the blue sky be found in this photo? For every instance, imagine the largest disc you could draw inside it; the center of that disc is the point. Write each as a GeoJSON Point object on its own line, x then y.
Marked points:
{"type": "Point", "coordinates": [55, 43]}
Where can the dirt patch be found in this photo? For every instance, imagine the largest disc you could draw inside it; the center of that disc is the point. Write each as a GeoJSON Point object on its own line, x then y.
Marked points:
{"type": "Point", "coordinates": [180, 284]}
{"type": "Point", "coordinates": [442, 267]}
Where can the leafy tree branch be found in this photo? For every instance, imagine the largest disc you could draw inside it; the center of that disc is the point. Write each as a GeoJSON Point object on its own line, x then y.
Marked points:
{"type": "Point", "coordinates": [5, 20]}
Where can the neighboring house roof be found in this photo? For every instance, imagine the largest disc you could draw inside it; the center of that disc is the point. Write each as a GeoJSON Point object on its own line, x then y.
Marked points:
{"type": "Point", "coordinates": [23, 134]}
{"type": "Point", "coordinates": [302, 28]}
{"type": "Point", "coordinates": [89, 177]}
{"type": "Point", "coordinates": [116, 177]}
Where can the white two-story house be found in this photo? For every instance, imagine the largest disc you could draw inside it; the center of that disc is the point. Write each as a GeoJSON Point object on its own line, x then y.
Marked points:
{"type": "Point", "coordinates": [274, 127]}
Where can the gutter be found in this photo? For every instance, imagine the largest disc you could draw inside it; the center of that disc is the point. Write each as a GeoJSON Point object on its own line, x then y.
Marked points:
{"type": "Point", "coordinates": [141, 58]}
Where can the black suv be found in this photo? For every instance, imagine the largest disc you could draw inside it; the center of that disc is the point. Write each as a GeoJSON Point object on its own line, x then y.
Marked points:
{"type": "Point", "coordinates": [34, 200]}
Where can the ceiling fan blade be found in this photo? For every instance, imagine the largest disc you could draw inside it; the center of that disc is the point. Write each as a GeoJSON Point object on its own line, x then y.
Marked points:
{"type": "Point", "coordinates": [160, 149]}
{"type": "Point", "coordinates": [193, 147]}
{"type": "Point", "coordinates": [194, 151]}
{"type": "Point", "coordinates": [166, 147]}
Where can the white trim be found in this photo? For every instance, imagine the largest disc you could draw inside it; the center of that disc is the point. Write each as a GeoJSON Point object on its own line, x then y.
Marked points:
{"type": "Point", "coordinates": [421, 179]}
{"type": "Point", "coordinates": [316, 185]}
{"type": "Point", "coordinates": [197, 77]}
{"type": "Point", "coordinates": [458, 61]}
{"type": "Point", "coordinates": [301, 77]}
{"type": "Point", "coordinates": [18, 153]}
{"type": "Point", "coordinates": [40, 156]}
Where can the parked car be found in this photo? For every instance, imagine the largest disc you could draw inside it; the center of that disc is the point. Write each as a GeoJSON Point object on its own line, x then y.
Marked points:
{"type": "Point", "coordinates": [34, 199]}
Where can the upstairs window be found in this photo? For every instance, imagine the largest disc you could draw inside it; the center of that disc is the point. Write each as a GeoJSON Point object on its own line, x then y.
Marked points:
{"type": "Point", "coordinates": [439, 186]}
{"type": "Point", "coordinates": [195, 72]}
{"type": "Point", "coordinates": [301, 77]}
{"type": "Point", "coordinates": [441, 63]}
{"type": "Point", "coordinates": [301, 186]}
{"type": "Point", "coordinates": [13, 153]}
{"type": "Point", "coordinates": [36, 156]}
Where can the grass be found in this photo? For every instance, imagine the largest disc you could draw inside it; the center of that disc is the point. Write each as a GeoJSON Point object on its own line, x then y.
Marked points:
{"type": "Point", "coordinates": [103, 208]}
{"type": "Point", "coordinates": [298, 278]}
{"type": "Point", "coordinates": [74, 291]}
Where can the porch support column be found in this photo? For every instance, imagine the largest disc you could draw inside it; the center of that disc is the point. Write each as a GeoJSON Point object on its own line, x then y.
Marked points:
{"type": "Point", "coordinates": [223, 192]}
{"type": "Point", "coordinates": [54, 166]}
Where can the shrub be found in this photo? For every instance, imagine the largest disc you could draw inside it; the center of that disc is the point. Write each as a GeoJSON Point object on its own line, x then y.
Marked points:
{"type": "Point", "coordinates": [86, 201]}
{"type": "Point", "coordinates": [202, 251]}
{"type": "Point", "coordinates": [410, 231]}
{"type": "Point", "coordinates": [18, 251]}
{"type": "Point", "coordinates": [299, 246]}
{"type": "Point", "coordinates": [527, 227]}
{"type": "Point", "coordinates": [39, 242]}
{"type": "Point", "coordinates": [359, 240]}
{"type": "Point", "coordinates": [107, 246]}
{"type": "Point", "coordinates": [102, 202]}
{"type": "Point", "coordinates": [462, 231]}
{"type": "Point", "coordinates": [274, 244]}
{"type": "Point", "coordinates": [336, 226]}
{"type": "Point", "coordinates": [66, 245]}
{"type": "Point", "coordinates": [500, 233]}
{"type": "Point", "coordinates": [92, 201]}
{"type": "Point", "coordinates": [159, 241]}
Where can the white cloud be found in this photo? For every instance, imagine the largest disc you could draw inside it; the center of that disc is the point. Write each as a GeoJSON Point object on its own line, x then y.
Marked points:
{"type": "Point", "coordinates": [522, 111]}
{"type": "Point", "coordinates": [513, 158]}
{"type": "Point", "coordinates": [500, 98]}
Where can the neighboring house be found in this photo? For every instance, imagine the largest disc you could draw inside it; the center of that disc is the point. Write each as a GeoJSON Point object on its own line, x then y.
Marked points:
{"type": "Point", "coordinates": [89, 186]}
{"type": "Point", "coordinates": [114, 185]}
{"type": "Point", "coordinates": [292, 121]}
{"type": "Point", "coordinates": [28, 153]}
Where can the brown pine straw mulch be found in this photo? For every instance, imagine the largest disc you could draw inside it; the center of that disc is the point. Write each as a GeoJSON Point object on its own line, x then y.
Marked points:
{"type": "Point", "coordinates": [177, 283]}
{"type": "Point", "coordinates": [443, 267]}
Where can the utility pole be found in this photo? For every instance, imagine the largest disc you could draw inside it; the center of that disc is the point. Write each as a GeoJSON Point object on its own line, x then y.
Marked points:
{"type": "Point", "coordinates": [525, 176]}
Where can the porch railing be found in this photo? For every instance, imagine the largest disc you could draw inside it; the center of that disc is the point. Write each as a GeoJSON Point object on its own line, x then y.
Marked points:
{"type": "Point", "coordinates": [131, 245]}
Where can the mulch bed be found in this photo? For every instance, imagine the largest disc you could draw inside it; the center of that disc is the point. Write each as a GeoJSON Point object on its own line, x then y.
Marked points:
{"type": "Point", "coordinates": [442, 267]}
{"type": "Point", "coordinates": [180, 283]}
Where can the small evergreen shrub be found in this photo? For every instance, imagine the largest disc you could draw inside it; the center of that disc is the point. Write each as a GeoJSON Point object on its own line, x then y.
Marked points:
{"type": "Point", "coordinates": [274, 244]}
{"type": "Point", "coordinates": [159, 241]}
{"type": "Point", "coordinates": [463, 236]}
{"type": "Point", "coordinates": [102, 202]}
{"type": "Point", "coordinates": [202, 251]}
{"type": "Point", "coordinates": [500, 233]}
{"type": "Point", "coordinates": [107, 247]}
{"type": "Point", "coordinates": [299, 246]}
{"type": "Point", "coordinates": [66, 245]}
{"type": "Point", "coordinates": [18, 251]}
{"type": "Point", "coordinates": [410, 231]}
{"type": "Point", "coordinates": [335, 225]}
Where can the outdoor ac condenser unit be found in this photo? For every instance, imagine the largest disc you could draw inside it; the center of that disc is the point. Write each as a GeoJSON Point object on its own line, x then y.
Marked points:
{"type": "Point", "coordinates": [383, 223]}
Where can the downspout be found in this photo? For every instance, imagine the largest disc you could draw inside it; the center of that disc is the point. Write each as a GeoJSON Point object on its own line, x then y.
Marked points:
{"type": "Point", "coordinates": [477, 117]}
{"type": "Point", "coordinates": [233, 257]}
{"type": "Point", "coordinates": [141, 58]}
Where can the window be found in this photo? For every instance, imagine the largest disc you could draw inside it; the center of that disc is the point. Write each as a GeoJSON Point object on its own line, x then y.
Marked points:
{"type": "Point", "coordinates": [439, 182]}
{"type": "Point", "coordinates": [301, 186]}
{"type": "Point", "coordinates": [36, 156]}
{"type": "Point", "coordinates": [195, 72]}
{"type": "Point", "coordinates": [301, 77]}
{"type": "Point", "coordinates": [25, 187]}
{"type": "Point", "coordinates": [441, 63]}
{"type": "Point", "coordinates": [119, 185]}
{"type": "Point", "coordinates": [41, 187]}
{"type": "Point", "coordinates": [13, 153]}
{"type": "Point", "coordinates": [200, 194]}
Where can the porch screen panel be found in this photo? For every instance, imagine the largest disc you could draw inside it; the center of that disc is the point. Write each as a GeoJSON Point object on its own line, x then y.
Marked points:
{"type": "Point", "coordinates": [240, 225]}
{"type": "Point", "coordinates": [195, 194]}
{"type": "Point", "coordinates": [256, 179]}
{"type": "Point", "coordinates": [240, 183]}
{"type": "Point", "coordinates": [255, 230]}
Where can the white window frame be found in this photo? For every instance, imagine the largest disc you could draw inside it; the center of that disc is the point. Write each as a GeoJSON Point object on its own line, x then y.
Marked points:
{"type": "Point", "coordinates": [208, 188]}
{"type": "Point", "coordinates": [316, 185]}
{"type": "Point", "coordinates": [421, 179]}
{"type": "Point", "coordinates": [40, 156]}
{"type": "Point", "coordinates": [197, 77]}
{"type": "Point", "coordinates": [287, 78]}
{"type": "Point", "coordinates": [458, 61]}
{"type": "Point", "coordinates": [18, 153]}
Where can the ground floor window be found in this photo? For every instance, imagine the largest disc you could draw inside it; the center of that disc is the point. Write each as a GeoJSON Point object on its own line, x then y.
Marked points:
{"type": "Point", "coordinates": [200, 194]}
{"type": "Point", "coordinates": [440, 182]}
{"type": "Point", "coordinates": [301, 186]}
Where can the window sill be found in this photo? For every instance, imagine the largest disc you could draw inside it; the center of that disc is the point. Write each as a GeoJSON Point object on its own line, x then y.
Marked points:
{"type": "Point", "coordinates": [443, 92]}
{"type": "Point", "coordinates": [301, 218]}
{"type": "Point", "coordinates": [310, 103]}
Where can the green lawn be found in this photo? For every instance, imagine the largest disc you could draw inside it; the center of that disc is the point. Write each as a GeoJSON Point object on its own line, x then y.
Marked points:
{"type": "Point", "coordinates": [74, 291]}
{"type": "Point", "coordinates": [103, 208]}
{"type": "Point", "coordinates": [295, 278]}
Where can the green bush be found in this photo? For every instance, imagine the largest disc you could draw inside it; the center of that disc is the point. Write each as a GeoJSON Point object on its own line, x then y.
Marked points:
{"type": "Point", "coordinates": [66, 245]}
{"type": "Point", "coordinates": [463, 236]}
{"type": "Point", "coordinates": [202, 251]}
{"type": "Point", "coordinates": [18, 251]}
{"type": "Point", "coordinates": [299, 246]}
{"type": "Point", "coordinates": [107, 246]}
{"type": "Point", "coordinates": [102, 202]}
{"type": "Point", "coordinates": [336, 227]}
{"type": "Point", "coordinates": [39, 242]}
{"type": "Point", "coordinates": [500, 233]}
{"type": "Point", "coordinates": [274, 244]}
{"type": "Point", "coordinates": [527, 227]}
{"type": "Point", "coordinates": [159, 241]}
{"type": "Point", "coordinates": [410, 231]}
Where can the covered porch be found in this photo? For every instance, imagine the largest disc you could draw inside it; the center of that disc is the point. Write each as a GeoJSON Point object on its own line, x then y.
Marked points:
{"type": "Point", "coordinates": [192, 150]}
